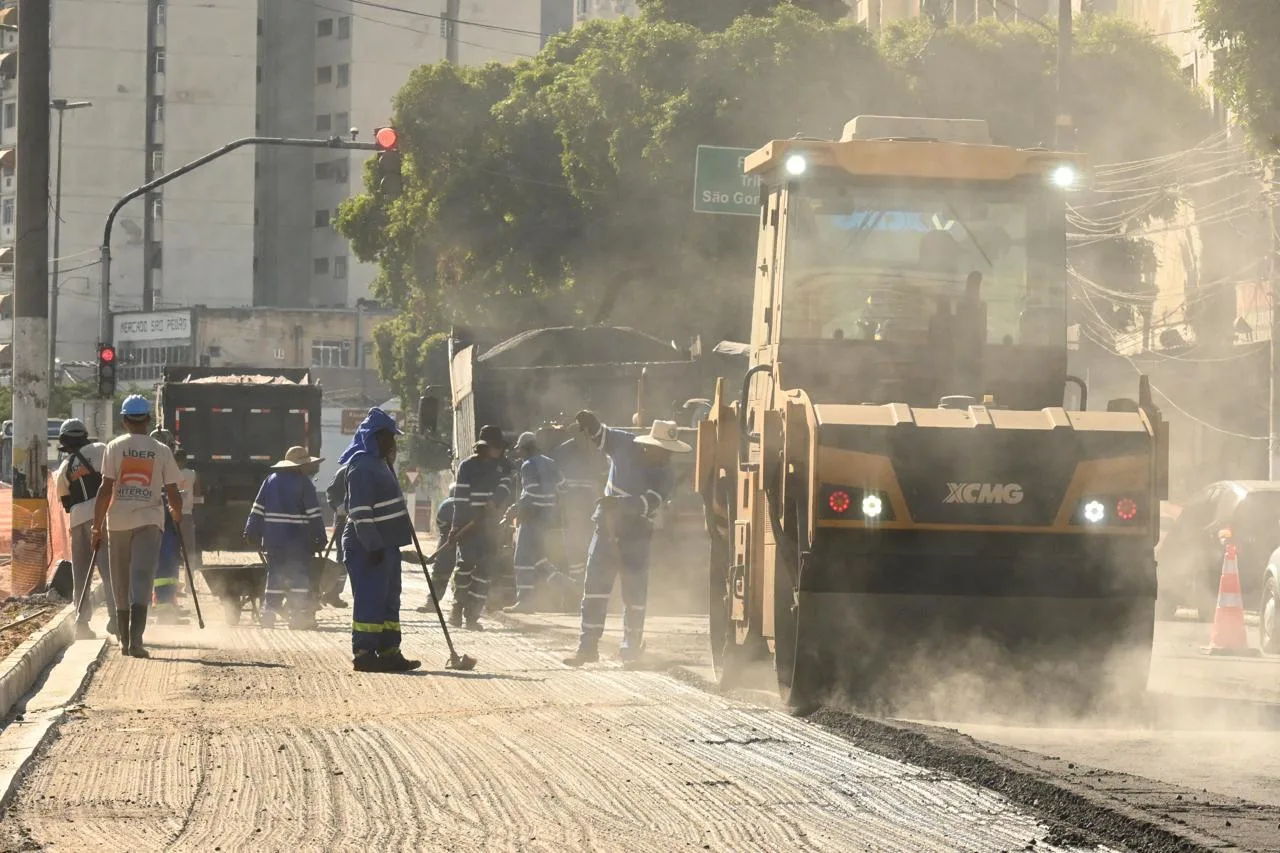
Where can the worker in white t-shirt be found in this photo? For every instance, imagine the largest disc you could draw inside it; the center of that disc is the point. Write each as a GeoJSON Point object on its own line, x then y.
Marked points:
{"type": "Point", "coordinates": [77, 481]}
{"type": "Point", "coordinates": [138, 472]}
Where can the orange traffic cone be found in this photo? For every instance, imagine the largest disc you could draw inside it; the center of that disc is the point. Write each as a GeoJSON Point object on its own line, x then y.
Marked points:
{"type": "Point", "coordinates": [1228, 636]}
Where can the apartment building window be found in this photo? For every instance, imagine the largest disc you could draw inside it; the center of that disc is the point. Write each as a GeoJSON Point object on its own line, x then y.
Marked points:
{"type": "Point", "coordinates": [340, 266]}
{"type": "Point", "coordinates": [341, 121]}
{"type": "Point", "coordinates": [157, 163]}
{"type": "Point", "coordinates": [324, 171]}
{"type": "Point", "coordinates": [157, 109]}
{"type": "Point", "coordinates": [322, 219]}
{"type": "Point", "coordinates": [330, 353]}
{"type": "Point", "coordinates": [320, 266]}
{"type": "Point", "coordinates": [582, 7]}
{"type": "Point", "coordinates": [324, 121]}
{"type": "Point", "coordinates": [324, 75]}
{"type": "Point", "coordinates": [157, 61]}
{"type": "Point", "coordinates": [324, 27]}
{"type": "Point", "coordinates": [344, 27]}
{"type": "Point", "coordinates": [6, 212]}
{"type": "Point", "coordinates": [10, 114]}
{"type": "Point", "coordinates": [344, 76]}
{"type": "Point", "coordinates": [340, 172]}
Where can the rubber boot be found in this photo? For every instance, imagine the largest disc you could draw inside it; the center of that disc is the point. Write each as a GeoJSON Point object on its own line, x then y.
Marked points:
{"type": "Point", "coordinates": [586, 653]}
{"type": "Point", "coordinates": [84, 632]}
{"type": "Point", "coordinates": [455, 615]}
{"type": "Point", "coordinates": [137, 625]}
{"type": "Point", "coordinates": [122, 628]}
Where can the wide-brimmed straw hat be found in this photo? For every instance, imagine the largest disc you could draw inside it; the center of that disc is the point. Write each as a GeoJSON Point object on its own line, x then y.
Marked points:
{"type": "Point", "coordinates": [297, 457]}
{"type": "Point", "coordinates": [664, 434]}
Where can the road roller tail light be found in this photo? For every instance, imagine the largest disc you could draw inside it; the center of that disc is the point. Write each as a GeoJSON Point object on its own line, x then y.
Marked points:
{"type": "Point", "coordinates": [853, 503]}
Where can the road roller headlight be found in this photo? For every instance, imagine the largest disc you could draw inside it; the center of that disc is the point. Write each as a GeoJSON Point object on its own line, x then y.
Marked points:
{"type": "Point", "coordinates": [872, 506]}
{"type": "Point", "coordinates": [797, 165]}
{"type": "Point", "coordinates": [1064, 177]}
{"type": "Point", "coordinates": [1094, 512]}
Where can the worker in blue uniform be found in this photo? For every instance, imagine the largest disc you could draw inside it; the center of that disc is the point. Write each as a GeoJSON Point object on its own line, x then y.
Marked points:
{"type": "Point", "coordinates": [583, 467]}
{"type": "Point", "coordinates": [638, 485]}
{"type": "Point", "coordinates": [286, 524]}
{"type": "Point", "coordinates": [378, 525]}
{"type": "Point", "coordinates": [483, 490]}
{"type": "Point", "coordinates": [535, 512]}
{"type": "Point", "coordinates": [165, 591]}
{"type": "Point", "coordinates": [446, 553]}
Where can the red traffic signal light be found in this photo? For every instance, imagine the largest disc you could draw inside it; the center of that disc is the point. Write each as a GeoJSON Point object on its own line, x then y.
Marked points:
{"type": "Point", "coordinates": [386, 138]}
{"type": "Point", "coordinates": [107, 355]}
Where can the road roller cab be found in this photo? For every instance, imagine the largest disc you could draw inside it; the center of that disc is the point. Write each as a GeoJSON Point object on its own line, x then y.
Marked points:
{"type": "Point", "coordinates": [897, 479]}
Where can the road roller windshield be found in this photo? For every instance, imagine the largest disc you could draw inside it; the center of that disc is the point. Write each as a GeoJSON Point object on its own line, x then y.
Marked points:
{"type": "Point", "coordinates": [875, 261]}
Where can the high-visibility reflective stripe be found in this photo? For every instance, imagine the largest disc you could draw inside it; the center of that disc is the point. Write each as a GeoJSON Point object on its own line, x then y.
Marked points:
{"type": "Point", "coordinates": [382, 653]}
{"type": "Point", "coordinates": [391, 516]}
{"type": "Point", "coordinates": [598, 595]}
{"type": "Point", "coordinates": [1232, 600]}
{"type": "Point", "coordinates": [386, 503]}
{"type": "Point", "coordinates": [166, 581]}
{"type": "Point", "coordinates": [391, 626]}
{"type": "Point", "coordinates": [356, 509]}
{"type": "Point", "coordinates": [367, 627]}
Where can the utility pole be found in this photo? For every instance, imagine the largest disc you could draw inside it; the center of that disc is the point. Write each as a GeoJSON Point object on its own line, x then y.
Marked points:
{"type": "Point", "coordinates": [60, 105]}
{"type": "Point", "coordinates": [452, 11]}
{"type": "Point", "coordinates": [1064, 132]}
{"type": "Point", "coordinates": [1273, 274]}
{"type": "Point", "coordinates": [31, 297]}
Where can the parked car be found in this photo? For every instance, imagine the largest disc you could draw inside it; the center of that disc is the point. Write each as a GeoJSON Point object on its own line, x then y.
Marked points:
{"type": "Point", "coordinates": [1269, 607]}
{"type": "Point", "coordinates": [1189, 556]}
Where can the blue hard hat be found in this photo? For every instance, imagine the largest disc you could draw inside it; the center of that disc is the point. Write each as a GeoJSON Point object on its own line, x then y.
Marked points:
{"type": "Point", "coordinates": [135, 405]}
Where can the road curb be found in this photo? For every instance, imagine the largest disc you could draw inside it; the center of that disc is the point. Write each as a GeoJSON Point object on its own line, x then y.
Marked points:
{"type": "Point", "coordinates": [25, 664]}
{"type": "Point", "coordinates": [26, 735]}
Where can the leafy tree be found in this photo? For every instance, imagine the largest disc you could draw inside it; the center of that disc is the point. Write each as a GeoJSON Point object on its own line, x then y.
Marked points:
{"type": "Point", "coordinates": [1247, 65]}
{"type": "Point", "coordinates": [557, 190]}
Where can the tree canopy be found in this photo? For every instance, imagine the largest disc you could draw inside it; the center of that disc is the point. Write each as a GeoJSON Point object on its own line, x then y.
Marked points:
{"type": "Point", "coordinates": [1246, 69]}
{"type": "Point", "coordinates": [559, 189]}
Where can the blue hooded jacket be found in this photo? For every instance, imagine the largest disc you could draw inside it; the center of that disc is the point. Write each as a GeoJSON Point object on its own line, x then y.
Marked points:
{"type": "Point", "coordinates": [376, 514]}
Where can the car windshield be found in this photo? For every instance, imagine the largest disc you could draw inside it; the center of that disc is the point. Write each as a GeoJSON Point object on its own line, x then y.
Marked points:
{"type": "Point", "coordinates": [877, 262]}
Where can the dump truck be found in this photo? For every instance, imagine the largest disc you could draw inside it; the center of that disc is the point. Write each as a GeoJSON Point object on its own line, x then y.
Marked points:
{"type": "Point", "coordinates": [896, 489]}
{"type": "Point", "coordinates": [235, 423]}
{"type": "Point", "coordinates": [538, 379]}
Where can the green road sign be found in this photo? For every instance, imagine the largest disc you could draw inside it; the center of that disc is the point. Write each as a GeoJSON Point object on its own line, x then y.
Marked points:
{"type": "Point", "coordinates": [719, 186]}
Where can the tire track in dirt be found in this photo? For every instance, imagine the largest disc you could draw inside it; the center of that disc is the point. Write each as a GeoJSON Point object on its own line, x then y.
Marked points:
{"type": "Point", "coordinates": [250, 739]}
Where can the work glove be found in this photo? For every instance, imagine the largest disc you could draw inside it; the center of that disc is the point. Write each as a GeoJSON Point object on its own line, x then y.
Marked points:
{"type": "Point", "coordinates": [376, 555]}
{"type": "Point", "coordinates": [588, 422]}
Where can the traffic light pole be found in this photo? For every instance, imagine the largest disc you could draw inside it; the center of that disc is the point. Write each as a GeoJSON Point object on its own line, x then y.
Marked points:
{"type": "Point", "coordinates": [104, 303]}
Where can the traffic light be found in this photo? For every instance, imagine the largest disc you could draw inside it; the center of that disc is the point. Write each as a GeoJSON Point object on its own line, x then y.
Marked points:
{"type": "Point", "coordinates": [106, 371]}
{"type": "Point", "coordinates": [387, 166]}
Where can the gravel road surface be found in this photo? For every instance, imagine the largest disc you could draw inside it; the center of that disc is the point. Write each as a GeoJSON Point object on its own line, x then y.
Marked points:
{"type": "Point", "coordinates": [236, 739]}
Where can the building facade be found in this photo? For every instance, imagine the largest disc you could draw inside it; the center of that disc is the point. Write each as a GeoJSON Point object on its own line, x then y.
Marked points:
{"type": "Point", "coordinates": [171, 81]}
{"type": "Point", "coordinates": [592, 10]}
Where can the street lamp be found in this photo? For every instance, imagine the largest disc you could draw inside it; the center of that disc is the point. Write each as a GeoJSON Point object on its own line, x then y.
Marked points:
{"type": "Point", "coordinates": [61, 105]}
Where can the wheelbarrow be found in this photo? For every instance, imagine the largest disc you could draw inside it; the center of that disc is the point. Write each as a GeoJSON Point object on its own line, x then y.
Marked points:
{"type": "Point", "coordinates": [324, 574]}
{"type": "Point", "coordinates": [237, 587]}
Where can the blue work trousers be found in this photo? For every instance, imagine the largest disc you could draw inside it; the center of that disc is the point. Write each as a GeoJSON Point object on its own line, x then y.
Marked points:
{"type": "Point", "coordinates": [531, 563]}
{"type": "Point", "coordinates": [166, 582]}
{"type": "Point", "coordinates": [375, 604]}
{"type": "Point", "coordinates": [288, 586]}
{"type": "Point", "coordinates": [607, 555]}
{"type": "Point", "coordinates": [471, 577]}
{"type": "Point", "coordinates": [442, 568]}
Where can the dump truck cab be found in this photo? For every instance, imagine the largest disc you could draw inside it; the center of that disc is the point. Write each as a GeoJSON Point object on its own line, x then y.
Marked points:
{"type": "Point", "coordinates": [898, 477]}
